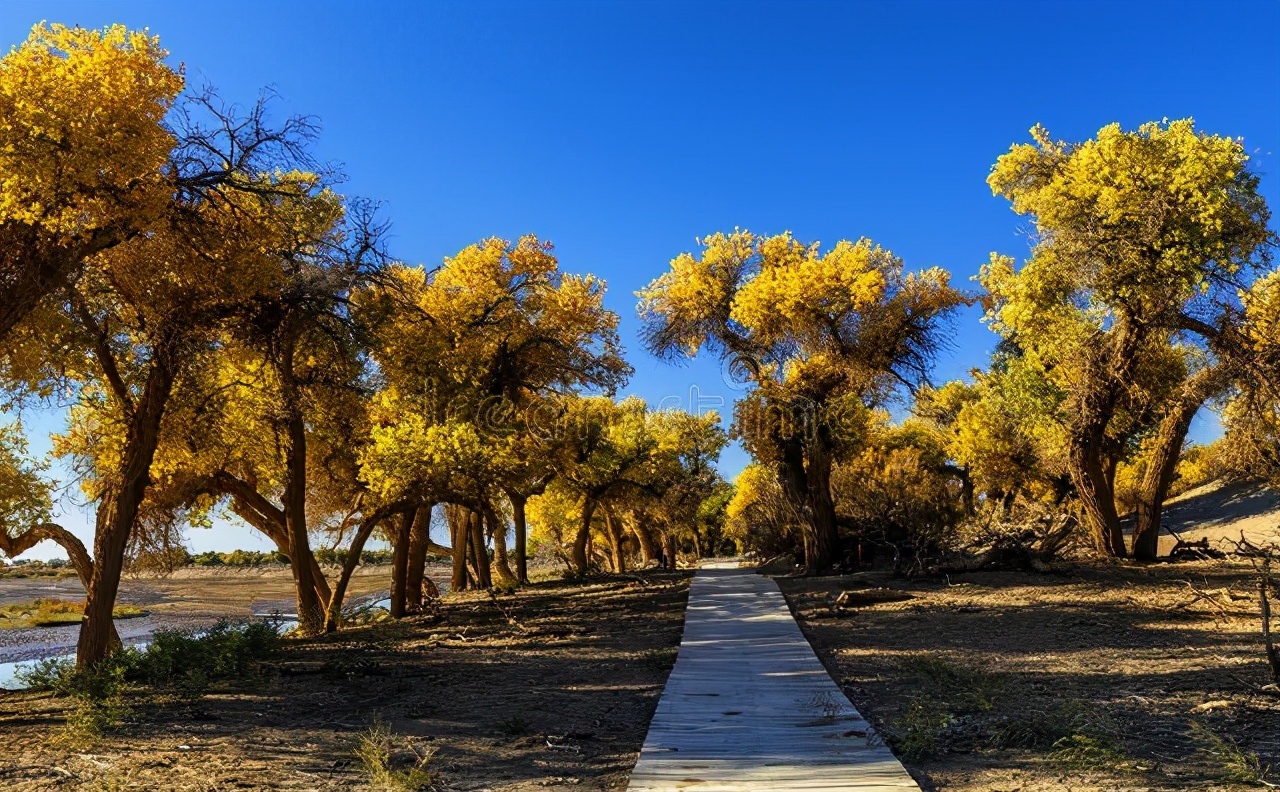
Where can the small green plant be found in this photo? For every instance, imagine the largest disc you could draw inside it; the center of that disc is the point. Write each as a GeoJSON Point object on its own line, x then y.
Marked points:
{"type": "Point", "coordinates": [1024, 731]}
{"type": "Point", "coordinates": [176, 663]}
{"type": "Point", "coordinates": [99, 695]}
{"type": "Point", "coordinates": [965, 687]}
{"type": "Point", "coordinates": [1238, 765]}
{"type": "Point", "coordinates": [949, 695]}
{"type": "Point", "coordinates": [919, 733]}
{"type": "Point", "coordinates": [380, 751]}
{"type": "Point", "coordinates": [1090, 737]}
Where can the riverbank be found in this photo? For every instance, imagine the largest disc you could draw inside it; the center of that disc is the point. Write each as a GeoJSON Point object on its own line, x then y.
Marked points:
{"type": "Point", "coordinates": [189, 598]}
{"type": "Point", "coordinates": [551, 687]}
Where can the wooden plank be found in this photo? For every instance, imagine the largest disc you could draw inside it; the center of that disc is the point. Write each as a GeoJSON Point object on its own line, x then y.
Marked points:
{"type": "Point", "coordinates": [748, 706]}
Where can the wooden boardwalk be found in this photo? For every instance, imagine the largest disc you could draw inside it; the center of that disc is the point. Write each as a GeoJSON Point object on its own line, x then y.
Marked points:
{"type": "Point", "coordinates": [748, 705]}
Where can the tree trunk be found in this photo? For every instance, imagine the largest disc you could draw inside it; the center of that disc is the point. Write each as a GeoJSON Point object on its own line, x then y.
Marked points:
{"type": "Point", "coordinates": [824, 551]}
{"type": "Point", "coordinates": [323, 592]}
{"type": "Point", "coordinates": [1163, 462]}
{"type": "Point", "coordinates": [669, 540]}
{"type": "Point", "coordinates": [967, 493]}
{"type": "Point", "coordinates": [806, 480]}
{"type": "Point", "coordinates": [1092, 470]}
{"type": "Point", "coordinates": [400, 563]}
{"type": "Point", "coordinates": [419, 545]}
{"type": "Point", "coordinates": [311, 615]}
{"type": "Point", "coordinates": [580, 560]}
{"type": "Point", "coordinates": [333, 612]}
{"type": "Point", "coordinates": [616, 556]}
{"type": "Point", "coordinates": [644, 538]}
{"type": "Point", "coordinates": [1097, 498]}
{"type": "Point", "coordinates": [459, 537]}
{"type": "Point", "coordinates": [518, 503]}
{"type": "Point", "coordinates": [498, 533]}
{"type": "Point", "coordinates": [117, 511]}
{"type": "Point", "coordinates": [484, 579]}
{"type": "Point", "coordinates": [251, 506]}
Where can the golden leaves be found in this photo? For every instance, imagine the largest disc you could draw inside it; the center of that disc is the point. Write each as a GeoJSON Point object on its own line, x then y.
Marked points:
{"type": "Point", "coordinates": [81, 135]}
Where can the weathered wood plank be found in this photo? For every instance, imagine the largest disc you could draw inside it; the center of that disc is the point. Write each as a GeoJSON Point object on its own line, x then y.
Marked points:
{"type": "Point", "coordinates": [748, 705]}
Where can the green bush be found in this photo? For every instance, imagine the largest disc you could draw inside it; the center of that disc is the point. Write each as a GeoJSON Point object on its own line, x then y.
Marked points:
{"type": "Point", "coordinates": [186, 662]}
{"type": "Point", "coordinates": [177, 662]}
{"type": "Point", "coordinates": [253, 558]}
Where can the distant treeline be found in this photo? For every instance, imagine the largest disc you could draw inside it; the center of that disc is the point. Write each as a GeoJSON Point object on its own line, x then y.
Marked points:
{"type": "Point", "coordinates": [239, 559]}
{"type": "Point", "coordinates": [57, 567]}
{"type": "Point", "coordinates": [253, 558]}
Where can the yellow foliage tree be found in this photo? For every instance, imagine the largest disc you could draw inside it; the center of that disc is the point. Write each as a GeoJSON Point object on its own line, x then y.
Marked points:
{"type": "Point", "coordinates": [1138, 233]}
{"type": "Point", "coordinates": [819, 335]}
{"type": "Point", "coordinates": [83, 150]}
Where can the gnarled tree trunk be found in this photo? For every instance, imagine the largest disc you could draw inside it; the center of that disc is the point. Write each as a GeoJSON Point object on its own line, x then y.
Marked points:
{"type": "Point", "coordinates": [1165, 453]}
{"type": "Point", "coordinates": [1091, 465]}
{"type": "Point", "coordinates": [825, 550]}
{"type": "Point", "coordinates": [419, 546]}
{"type": "Point", "coordinates": [614, 530]}
{"type": "Point", "coordinates": [460, 537]}
{"type": "Point", "coordinates": [644, 538]}
{"type": "Point", "coordinates": [498, 534]}
{"type": "Point", "coordinates": [117, 511]}
{"type": "Point", "coordinates": [400, 563]}
{"type": "Point", "coordinates": [1097, 496]}
{"type": "Point", "coordinates": [518, 504]}
{"type": "Point", "coordinates": [580, 561]}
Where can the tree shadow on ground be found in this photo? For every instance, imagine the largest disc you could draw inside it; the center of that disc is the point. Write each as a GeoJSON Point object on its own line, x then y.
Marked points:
{"type": "Point", "coordinates": [1127, 643]}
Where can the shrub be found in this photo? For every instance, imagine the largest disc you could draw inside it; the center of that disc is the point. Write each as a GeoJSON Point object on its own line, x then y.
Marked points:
{"type": "Point", "coordinates": [176, 662]}
{"type": "Point", "coordinates": [186, 662]}
{"type": "Point", "coordinates": [1238, 765]}
{"type": "Point", "coordinates": [209, 558]}
{"type": "Point", "coordinates": [380, 751]}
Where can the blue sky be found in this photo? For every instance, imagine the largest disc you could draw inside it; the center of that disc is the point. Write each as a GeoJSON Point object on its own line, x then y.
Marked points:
{"type": "Point", "coordinates": [623, 131]}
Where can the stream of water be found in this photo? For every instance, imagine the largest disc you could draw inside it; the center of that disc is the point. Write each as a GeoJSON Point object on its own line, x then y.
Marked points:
{"type": "Point", "coordinates": [9, 672]}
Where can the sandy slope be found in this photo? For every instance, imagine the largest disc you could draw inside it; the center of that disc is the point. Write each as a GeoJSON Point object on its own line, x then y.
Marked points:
{"type": "Point", "coordinates": [1221, 512]}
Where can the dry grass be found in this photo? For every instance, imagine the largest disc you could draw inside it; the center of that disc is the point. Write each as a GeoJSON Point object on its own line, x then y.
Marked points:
{"type": "Point", "coordinates": [51, 612]}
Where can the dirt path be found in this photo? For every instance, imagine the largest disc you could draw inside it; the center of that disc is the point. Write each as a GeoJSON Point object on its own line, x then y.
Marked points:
{"type": "Point", "coordinates": [748, 707]}
{"type": "Point", "coordinates": [550, 688]}
{"type": "Point", "coordinates": [1104, 678]}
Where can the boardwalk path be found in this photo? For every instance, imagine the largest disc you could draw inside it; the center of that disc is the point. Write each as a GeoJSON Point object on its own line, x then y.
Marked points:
{"type": "Point", "coordinates": [749, 707]}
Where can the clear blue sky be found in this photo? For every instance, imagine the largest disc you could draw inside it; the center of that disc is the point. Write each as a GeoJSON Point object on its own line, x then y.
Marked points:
{"type": "Point", "coordinates": [623, 131]}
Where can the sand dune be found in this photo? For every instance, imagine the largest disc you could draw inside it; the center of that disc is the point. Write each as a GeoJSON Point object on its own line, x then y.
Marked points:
{"type": "Point", "coordinates": [1220, 512]}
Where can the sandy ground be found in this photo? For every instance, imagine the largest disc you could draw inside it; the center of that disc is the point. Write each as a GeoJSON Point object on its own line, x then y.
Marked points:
{"type": "Point", "coordinates": [988, 671]}
{"type": "Point", "coordinates": [551, 687]}
{"type": "Point", "coordinates": [1222, 513]}
{"type": "Point", "coordinates": [188, 598]}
